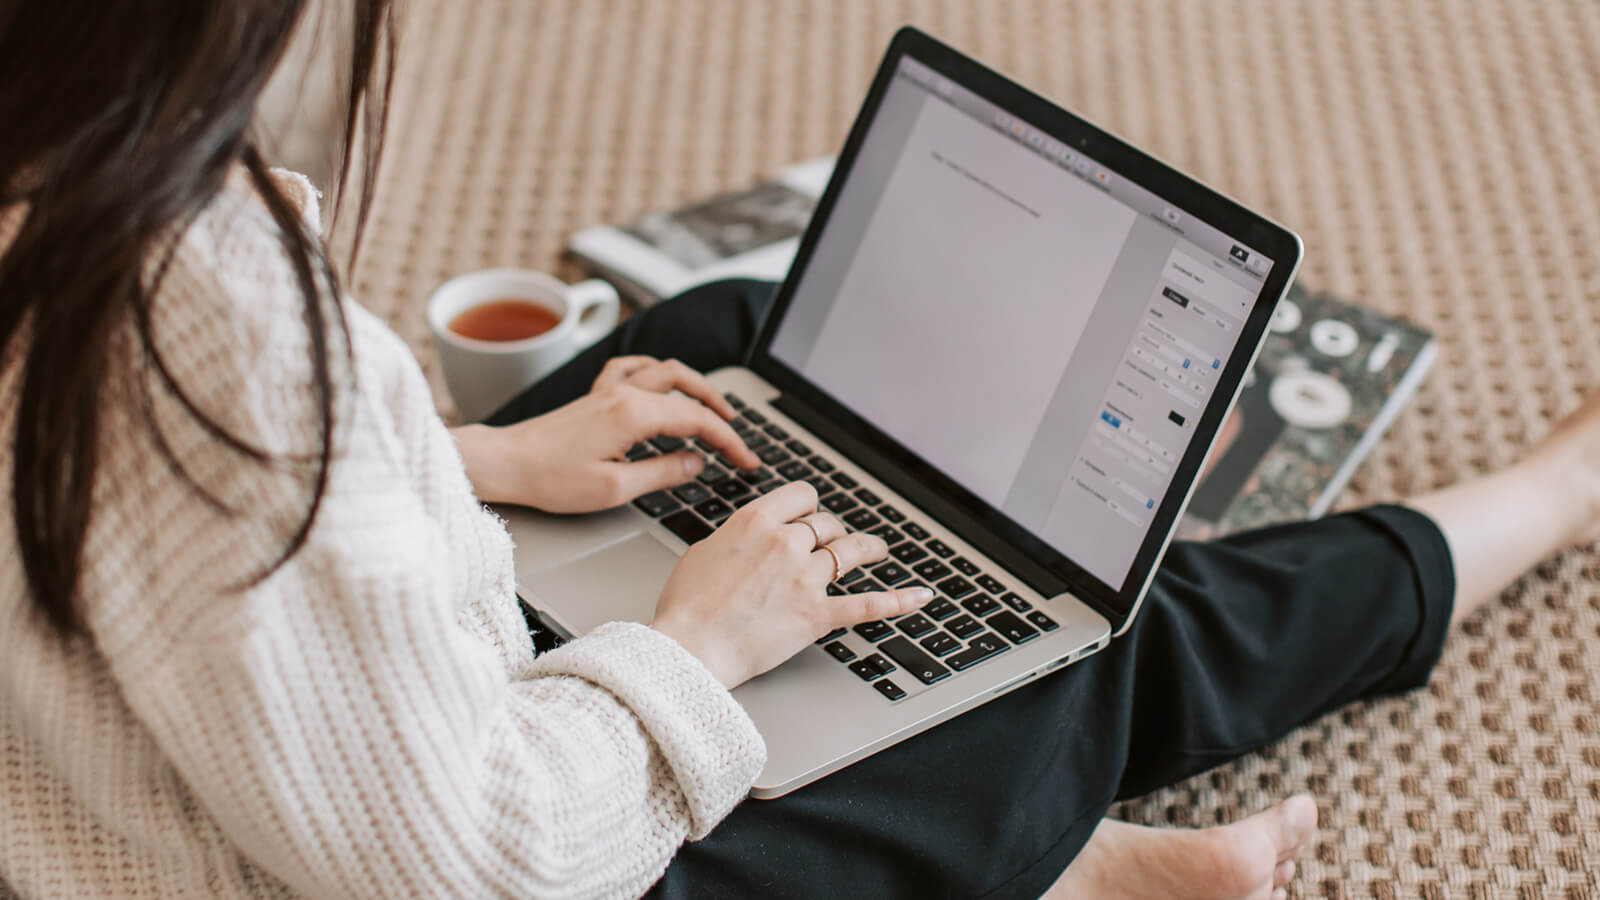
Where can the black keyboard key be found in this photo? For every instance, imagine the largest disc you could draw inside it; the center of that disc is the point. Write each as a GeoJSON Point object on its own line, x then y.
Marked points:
{"type": "Point", "coordinates": [891, 573]}
{"type": "Point", "coordinates": [824, 486]}
{"type": "Point", "coordinates": [767, 487]}
{"type": "Point", "coordinates": [915, 625]}
{"type": "Point", "coordinates": [835, 591]}
{"type": "Point", "coordinates": [714, 509]}
{"type": "Point", "coordinates": [733, 401]}
{"type": "Point", "coordinates": [980, 605]}
{"type": "Point", "coordinates": [692, 493]}
{"type": "Point", "coordinates": [756, 441]}
{"type": "Point", "coordinates": [754, 476]}
{"type": "Point", "coordinates": [798, 448]}
{"type": "Point", "coordinates": [640, 451]}
{"type": "Point", "coordinates": [940, 644]}
{"type": "Point", "coordinates": [889, 533]}
{"type": "Point", "coordinates": [832, 636]}
{"type": "Point", "coordinates": [955, 587]}
{"type": "Point", "coordinates": [940, 609]}
{"type": "Point", "coordinates": [939, 548]}
{"type": "Point", "coordinates": [1012, 628]}
{"type": "Point", "coordinates": [1015, 601]}
{"type": "Point", "coordinates": [845, 481]}
{"type": "Point", "coordinates": [914, 531]}
{"type": "Point", "coordinates": [981, 648]}
{"type": "Point", "coordinates": [964, 627]}
{"type": "Point", "coordinates": [776, 432]}
{"type": "Point", "coordinates": [890, 514]}
{"type": "Point", "coordinates": [908, 552]}
{"type": "Point", "coordinates": [755, 417]}
{"type": "Point", "coordinates": [742, 428]}
{"type": "Point", "coordinates": [1042, 621]}
{"type": "Point", "coordinates": [865, 670]}
{"type": "Point", "coordinates": [820, 464]}
{"type": "Point", "coordinates": [731, 488]}
{"type": "Point", "coordinates": [666, 443]}
{"type": "Point", "coordinates": [838, 503]}
{"type": "Point", "coordinates": [868, 497]}
{"type": "Point", "coordinates": [840, 652]}
{"type": "Point", "coordinates": [874, 631]}
{"type": "Point", "coordinates": [864, 586]}
{"type": "Point", "coordinates": [690, 528]}
{"type": "Point", "coordinates": [965, 566]}
{"type": "Point", "coordinates": [746, 500]}
{"type": "Point", "coordinates": [794, 470]}
{"type": "Point", "coordinates": [991, 584]}
{"type": "Point", "coordinates": [773, 455]}
{"type": "Point", "coordinates": [931, 569]}
{"type": "Point", "coordinates": [855, 574]}
{"type": "Point", "coordinates": [913, 659]}
{"type": "Point", "coordinates": [656, 503]}
{"type": "Point", "coordinates": [861, 519]}
{"type": "Point", "coordinates": [889, 689]}
{"type": "Point", "coordinates": [712, 474]}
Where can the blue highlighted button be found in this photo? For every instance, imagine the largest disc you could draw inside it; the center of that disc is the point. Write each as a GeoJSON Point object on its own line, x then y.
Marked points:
{"type": "Point", "coordinates": [1111, 420]}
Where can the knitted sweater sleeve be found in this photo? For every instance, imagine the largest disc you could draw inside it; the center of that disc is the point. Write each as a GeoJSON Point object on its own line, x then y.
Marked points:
{"type": "Point", "coordinates": [343, 720]}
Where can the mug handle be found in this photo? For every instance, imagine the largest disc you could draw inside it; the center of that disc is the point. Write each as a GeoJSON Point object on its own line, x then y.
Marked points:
{"type": "Point", "coordinates": [597, 301]}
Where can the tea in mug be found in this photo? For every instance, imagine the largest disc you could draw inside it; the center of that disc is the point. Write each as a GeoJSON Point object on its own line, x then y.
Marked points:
{"type": "Point", "coordinates": [509, 319]}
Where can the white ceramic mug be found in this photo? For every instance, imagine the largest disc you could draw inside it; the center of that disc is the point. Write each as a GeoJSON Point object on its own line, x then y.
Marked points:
{"type": "Point", "coordinates": [483, 375]}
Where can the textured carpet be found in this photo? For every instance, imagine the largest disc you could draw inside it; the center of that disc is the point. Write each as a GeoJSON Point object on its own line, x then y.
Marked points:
{"type": "Point", "coordinates": [1439, 156]}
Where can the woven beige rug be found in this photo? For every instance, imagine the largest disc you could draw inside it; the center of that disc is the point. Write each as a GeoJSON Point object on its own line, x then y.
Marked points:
{"type": "Point", "coordinates": [1441, 158]}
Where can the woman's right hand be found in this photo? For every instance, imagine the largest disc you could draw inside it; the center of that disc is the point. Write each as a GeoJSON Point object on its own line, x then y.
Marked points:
{"type": "Point", "coordinates": [755, 592]}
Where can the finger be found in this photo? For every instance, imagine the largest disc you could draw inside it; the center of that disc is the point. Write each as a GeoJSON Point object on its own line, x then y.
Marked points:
{"type": "Point", "coordinates": [635, 479]}
{"type": "Point", "coordinates": [672, 375]}
{"type": "Point", "coordinates": [854, 609]}
{"type": "Point", "coordinates": [617, 370]}
{"type": "Point", "coordinates": [855, 550]}
{"type": "Point", "coordinates": [651, 414]}
{"type": "Point", "coordinates": [782, 506]}
{"type": "Point", "coordinates": [825, 527]}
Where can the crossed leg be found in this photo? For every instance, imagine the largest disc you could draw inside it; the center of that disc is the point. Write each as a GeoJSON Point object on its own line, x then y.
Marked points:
{"type": "Point", "coordinates": [1497, 527]}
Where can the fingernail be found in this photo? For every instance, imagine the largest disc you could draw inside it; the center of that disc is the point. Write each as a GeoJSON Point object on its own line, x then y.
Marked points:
{"type": "Point", "coordinates": [692, 465]}
{"type": "Point", "coordinates": [921, 595]}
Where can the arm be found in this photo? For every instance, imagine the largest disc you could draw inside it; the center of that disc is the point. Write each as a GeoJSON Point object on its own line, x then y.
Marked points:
{"type": "Point", "coordinates": [350, 737]}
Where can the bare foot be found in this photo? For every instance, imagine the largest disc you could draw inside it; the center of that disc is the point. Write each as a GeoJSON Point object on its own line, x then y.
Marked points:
{"type": "Point", "coordinates": [1248, 860]}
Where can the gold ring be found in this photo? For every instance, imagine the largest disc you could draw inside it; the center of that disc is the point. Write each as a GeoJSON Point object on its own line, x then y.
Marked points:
{"type": "Point", "coordinates": [816, 537]}
{"type": "Point", "coordinates": [835, 562]}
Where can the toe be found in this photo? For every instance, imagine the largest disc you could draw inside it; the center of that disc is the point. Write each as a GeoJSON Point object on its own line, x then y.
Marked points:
{"type": "Point", "coordinates": [1283, 874]}
{"type": "Point", "coordinates": [1294, 823]}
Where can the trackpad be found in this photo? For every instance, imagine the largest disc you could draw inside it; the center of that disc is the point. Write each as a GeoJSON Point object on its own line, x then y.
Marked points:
{"type": "Point", "coordinates": [617, 582]}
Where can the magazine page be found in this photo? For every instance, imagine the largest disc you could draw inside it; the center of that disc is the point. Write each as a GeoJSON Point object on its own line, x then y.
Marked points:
{"type": "Point", "coordinates": [1330, 378]}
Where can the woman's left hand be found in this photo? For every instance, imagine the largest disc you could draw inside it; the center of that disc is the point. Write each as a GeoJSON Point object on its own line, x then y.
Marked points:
{"type": "Point", "coordinates": [571, 460]}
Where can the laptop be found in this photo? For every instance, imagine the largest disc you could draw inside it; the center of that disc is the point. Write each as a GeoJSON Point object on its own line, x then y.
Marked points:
{"type": "Point", "coordinates": [1006, 345]}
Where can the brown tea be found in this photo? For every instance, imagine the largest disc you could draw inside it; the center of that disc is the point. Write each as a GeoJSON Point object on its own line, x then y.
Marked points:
{"type": "Point", "coordinates": [509, 319]}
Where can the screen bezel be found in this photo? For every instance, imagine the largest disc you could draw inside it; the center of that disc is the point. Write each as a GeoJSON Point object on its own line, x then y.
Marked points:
{"type": "Point", "coordinates": [1116, 602]}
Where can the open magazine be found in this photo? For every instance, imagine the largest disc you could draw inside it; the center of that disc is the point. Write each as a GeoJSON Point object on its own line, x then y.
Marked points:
{"type": "Point", "coordinates": [1329, 380]}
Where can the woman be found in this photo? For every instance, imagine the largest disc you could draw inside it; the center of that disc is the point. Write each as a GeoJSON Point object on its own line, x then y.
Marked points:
{"type": "Point", "coordinates": [261, 637]}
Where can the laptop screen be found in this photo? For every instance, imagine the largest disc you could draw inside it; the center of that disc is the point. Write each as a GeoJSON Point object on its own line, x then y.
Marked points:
{"type": "Point", "coordinates": [1041, 330]}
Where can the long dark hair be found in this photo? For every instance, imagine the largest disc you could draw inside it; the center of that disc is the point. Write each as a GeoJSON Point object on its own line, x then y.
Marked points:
{"type": "Point", "coordinates": [119, 122]}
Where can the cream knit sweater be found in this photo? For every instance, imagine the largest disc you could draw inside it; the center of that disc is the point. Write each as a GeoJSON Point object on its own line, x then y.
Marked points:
{"type": "Point", "coordinates": [370, 720]}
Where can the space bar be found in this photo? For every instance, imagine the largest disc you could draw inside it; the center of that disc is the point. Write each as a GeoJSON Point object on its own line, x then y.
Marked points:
{"type": "Point", "coordinates": [689, 528]}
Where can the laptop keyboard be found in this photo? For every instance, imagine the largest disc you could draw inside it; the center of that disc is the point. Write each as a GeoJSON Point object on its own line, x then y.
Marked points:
{"type": "Point", "coordinates": [973, 616]}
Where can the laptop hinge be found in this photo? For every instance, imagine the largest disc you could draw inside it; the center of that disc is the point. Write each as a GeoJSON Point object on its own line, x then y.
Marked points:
{"type": "Point", "coordinates": [965, 525]}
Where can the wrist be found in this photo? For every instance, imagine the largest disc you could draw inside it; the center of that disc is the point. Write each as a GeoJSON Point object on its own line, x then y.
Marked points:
{"type": "Point", "coordinates": [685, 637]}
{"type": "Point", "coordinates": [484, 460]}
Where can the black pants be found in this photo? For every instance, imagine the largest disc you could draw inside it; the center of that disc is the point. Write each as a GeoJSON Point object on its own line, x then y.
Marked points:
{"type": "Point", "coordinates": [1240, 640]}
